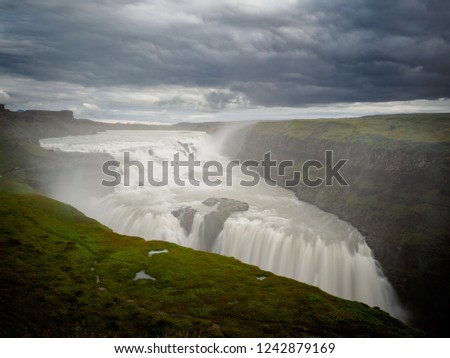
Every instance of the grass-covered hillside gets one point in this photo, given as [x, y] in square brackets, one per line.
[63, 274]
[398, 194]
[411, 128]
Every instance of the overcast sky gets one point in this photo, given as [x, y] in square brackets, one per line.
[197, 60]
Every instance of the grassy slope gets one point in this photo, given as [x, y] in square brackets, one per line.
[51, 255]
[13, 155]
[402, 128]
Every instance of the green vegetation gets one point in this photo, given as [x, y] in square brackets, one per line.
[423, 128]
[65, 275]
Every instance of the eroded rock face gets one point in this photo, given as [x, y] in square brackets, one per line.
[186, 217]
[213, 221]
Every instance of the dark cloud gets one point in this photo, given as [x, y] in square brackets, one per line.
[290, 54]
[219, 100]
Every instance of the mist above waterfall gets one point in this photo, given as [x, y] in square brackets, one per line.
[278, 232]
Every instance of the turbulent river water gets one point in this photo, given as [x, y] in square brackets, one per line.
[278, 233]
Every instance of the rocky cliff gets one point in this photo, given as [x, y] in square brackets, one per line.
[397, 196]
[32, 125]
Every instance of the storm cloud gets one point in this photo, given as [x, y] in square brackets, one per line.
[213, 56]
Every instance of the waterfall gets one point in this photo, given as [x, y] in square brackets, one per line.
[278, 233]
[343, 268]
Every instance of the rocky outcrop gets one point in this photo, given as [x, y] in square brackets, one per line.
[226, 205]
[186, 217]
[213, 221]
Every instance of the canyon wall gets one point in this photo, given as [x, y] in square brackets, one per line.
[397, 194]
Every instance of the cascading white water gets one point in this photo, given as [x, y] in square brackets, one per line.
[278, 233]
